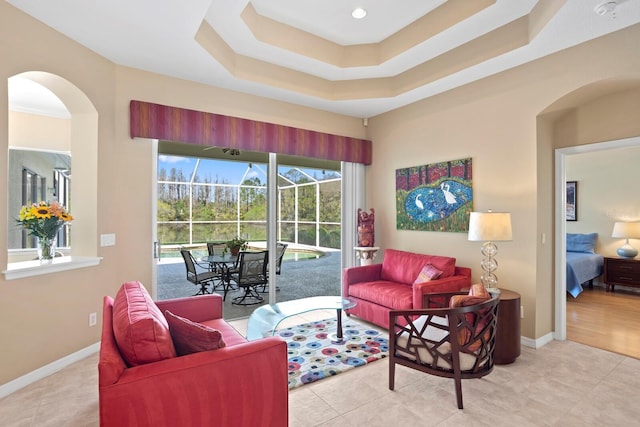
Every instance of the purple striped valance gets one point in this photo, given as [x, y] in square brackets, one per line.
[196, 127]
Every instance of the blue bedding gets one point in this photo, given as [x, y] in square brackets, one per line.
[582, 267]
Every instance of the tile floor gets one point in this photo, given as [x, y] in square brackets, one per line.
[560, 384]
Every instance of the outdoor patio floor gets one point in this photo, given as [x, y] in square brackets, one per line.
[298, 279]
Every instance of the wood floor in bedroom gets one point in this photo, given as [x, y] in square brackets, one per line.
[606, 320]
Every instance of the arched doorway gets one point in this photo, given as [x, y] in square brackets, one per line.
[598, 116]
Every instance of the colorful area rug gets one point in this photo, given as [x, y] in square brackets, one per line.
[313, 355]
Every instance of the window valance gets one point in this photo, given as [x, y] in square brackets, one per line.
[157, 121]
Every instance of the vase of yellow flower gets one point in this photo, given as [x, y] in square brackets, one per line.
[43, 221]
[46, 248]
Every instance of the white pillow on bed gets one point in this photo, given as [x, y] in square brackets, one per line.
[581, 242]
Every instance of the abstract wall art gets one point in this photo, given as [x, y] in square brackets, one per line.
[435, 197]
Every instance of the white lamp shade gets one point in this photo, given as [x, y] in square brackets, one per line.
[626, 230]
[490, 226]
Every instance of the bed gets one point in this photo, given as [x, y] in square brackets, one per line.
[583, 264]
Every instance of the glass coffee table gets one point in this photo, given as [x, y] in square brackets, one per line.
[264, 320]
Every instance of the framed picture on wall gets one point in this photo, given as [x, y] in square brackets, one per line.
[572, 200]
[435, 196]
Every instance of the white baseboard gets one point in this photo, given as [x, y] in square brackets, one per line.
[43, 372]
[537, 343]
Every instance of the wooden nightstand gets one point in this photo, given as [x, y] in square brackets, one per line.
[621, 271]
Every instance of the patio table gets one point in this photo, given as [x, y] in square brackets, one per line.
[222, 264]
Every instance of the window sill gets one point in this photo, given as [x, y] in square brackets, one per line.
[19, 270]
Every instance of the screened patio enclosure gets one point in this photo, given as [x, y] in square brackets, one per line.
[214, 200]
[203, 199]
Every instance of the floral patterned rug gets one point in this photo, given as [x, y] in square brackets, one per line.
[314, 355]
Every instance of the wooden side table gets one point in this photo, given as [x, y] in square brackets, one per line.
[621, 271]
[508, 329]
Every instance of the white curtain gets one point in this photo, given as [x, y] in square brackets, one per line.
[353, 197]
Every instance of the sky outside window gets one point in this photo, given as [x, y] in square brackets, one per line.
[224, 170]
[231, 172]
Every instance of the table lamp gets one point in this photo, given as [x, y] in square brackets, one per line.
[489, 227]
[626, 230]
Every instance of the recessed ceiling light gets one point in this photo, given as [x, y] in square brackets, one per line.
[359, 13]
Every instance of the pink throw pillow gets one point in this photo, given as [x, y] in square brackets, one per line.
[191, 337]
[428, 272]
[140, 329]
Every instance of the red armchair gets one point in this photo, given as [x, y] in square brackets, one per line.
[241, 384]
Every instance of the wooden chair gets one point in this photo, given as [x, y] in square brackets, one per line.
[456, 343]
[251, 274]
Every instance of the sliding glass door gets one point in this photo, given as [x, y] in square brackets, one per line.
[207, 195]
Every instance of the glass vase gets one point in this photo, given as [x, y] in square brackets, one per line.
[46, 248]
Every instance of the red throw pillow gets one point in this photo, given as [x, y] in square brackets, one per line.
[140, 329]
[191, 337]
[477, 295]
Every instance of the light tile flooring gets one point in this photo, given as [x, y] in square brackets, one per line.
[560, 384]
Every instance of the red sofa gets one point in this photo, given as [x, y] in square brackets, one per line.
[241, 384]
[394, 284]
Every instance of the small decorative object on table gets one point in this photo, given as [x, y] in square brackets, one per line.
[365, 228]
[43, 221]
[236, 245]
[365, 250]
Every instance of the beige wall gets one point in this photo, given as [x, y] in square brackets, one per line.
[499, 123]
[604, 118]
[46, 317]
[45, 133]
[493, 121]
[606, 182]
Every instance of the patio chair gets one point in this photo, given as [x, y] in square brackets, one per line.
[280, 250]
[251, 274]
[456, 341]
[215, 248]
[199, 278]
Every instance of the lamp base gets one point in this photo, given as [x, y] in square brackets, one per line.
[627, 251]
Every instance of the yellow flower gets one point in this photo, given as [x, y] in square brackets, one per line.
[25, 213]
[41, 212]
[43, 220]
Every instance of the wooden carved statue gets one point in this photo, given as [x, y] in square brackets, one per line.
[365, 228]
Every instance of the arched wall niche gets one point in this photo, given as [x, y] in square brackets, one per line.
[83, 145]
